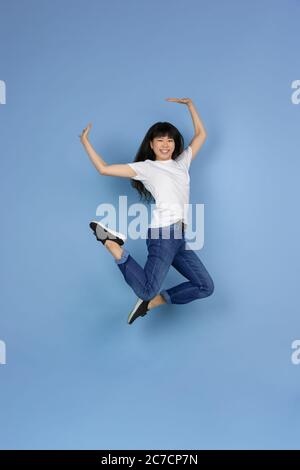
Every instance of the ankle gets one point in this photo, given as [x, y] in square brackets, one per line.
[114, 248]
[156, 301]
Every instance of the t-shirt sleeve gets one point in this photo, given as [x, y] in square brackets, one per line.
[141, 169]
[185, 158]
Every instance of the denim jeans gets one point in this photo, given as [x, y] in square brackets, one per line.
[167, 247]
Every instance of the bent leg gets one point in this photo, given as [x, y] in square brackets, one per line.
[200, 283]
[147, 281]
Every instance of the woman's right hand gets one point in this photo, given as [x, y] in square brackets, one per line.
[85, 133]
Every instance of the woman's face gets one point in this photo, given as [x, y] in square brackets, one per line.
[163, 147]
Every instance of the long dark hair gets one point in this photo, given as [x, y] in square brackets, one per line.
[159, 129]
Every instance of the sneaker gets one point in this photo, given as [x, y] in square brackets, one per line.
[103, 233]
[139, 310]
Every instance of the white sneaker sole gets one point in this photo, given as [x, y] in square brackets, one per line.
[138, 303]
[135, 308]
[109, 230]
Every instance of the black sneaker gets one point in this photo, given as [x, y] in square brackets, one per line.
[139, 310]
[103, 233]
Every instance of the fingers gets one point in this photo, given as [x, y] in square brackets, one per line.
[85, 130]
[176, 100]
[179, 100]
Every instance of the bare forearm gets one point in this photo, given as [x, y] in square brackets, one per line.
[97, 161]
[198, 124]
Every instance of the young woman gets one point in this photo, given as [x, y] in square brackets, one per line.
[161, 172]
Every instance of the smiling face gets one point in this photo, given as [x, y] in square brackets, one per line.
[163, 147]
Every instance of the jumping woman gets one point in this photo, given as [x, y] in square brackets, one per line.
[160, 172]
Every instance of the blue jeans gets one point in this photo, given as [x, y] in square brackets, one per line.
[166, 249]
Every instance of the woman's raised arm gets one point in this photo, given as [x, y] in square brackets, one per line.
[103, 168]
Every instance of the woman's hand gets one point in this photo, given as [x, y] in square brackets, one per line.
[85, 133]
[187, 101]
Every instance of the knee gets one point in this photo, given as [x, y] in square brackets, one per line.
[209, 287]
[206, 288]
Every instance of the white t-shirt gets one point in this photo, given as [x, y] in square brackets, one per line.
[169, 183]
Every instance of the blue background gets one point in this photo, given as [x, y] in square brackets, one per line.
[215, 373]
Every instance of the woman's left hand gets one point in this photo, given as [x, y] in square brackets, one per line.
[187, 101]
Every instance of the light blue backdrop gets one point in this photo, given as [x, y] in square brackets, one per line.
[216, 373]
